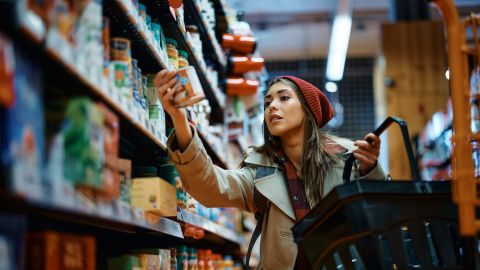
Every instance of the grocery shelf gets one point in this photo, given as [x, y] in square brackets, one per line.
[213, 48]
[124, 24]
[160, 9]
[216, 157]
[210, 226]
[164, 227]
[221, 18]
[66, 76]
[119, 106]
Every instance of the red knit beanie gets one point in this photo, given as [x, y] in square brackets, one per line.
[317, 101]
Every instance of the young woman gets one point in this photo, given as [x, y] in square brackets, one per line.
[295, 168]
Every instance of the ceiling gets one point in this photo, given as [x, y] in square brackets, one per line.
[289, 29]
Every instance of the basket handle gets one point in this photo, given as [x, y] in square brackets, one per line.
[347, 171]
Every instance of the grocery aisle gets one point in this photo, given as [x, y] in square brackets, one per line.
[86, 180]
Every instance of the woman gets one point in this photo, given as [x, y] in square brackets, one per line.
[295, 168]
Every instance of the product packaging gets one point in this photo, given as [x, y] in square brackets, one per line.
[52, 250]
[188, 78]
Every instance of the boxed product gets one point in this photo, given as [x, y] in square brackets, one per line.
[22, 124]
[154, 258]
[153, 194]
[111, 138]
[188, 78]
[60, 251]
[84, 144]
[126, 262]
[12, 234]
[125, 171]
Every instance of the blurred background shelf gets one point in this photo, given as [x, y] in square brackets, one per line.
[210, 226]
[164, 229]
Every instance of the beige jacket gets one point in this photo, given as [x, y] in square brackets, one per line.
[215, 187]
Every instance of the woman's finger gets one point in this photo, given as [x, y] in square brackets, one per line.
[164, 79]
[365, 162]
[367, 154]
[367, 147]
[162, 89]
[374, 138]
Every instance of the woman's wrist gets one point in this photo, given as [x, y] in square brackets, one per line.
[183, 132]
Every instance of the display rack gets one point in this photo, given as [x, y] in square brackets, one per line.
[136, 133]
[80, 84]
[213, 47]
[464, 184]
[163, 227]
[210, 226]
[160, 9]
[142, 46]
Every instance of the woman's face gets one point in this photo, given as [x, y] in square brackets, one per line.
[284, 114]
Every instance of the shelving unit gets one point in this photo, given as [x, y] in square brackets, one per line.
[142, 46]
[138, 137]
[163, 228]
[213, 47]
[209, 226]
[160, 9]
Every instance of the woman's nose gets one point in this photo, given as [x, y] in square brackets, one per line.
[273, 105]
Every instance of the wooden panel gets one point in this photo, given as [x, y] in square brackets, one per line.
[416, 110]
[416, 63]
[415, 56]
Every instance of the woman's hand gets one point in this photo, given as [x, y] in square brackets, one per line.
[165, 81]
[367, 153]
[169, 93]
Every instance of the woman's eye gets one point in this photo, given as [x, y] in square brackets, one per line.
[284, 98]
[266, 104]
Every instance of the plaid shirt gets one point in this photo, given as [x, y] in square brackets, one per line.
[295, 186]
[298, 199]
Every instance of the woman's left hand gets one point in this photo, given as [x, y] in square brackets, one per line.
[367, 153]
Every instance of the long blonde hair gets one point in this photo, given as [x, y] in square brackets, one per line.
[316, 160]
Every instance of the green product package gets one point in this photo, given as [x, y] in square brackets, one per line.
[168, 173]
[83, 145]
[126, 262]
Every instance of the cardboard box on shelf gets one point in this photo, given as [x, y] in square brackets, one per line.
[22, 125]
[155, 195]
[60, 251]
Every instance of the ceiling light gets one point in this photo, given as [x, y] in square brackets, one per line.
[331, 87]
[337, 50]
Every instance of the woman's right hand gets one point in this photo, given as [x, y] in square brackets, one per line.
[165, 81]
[168, 92]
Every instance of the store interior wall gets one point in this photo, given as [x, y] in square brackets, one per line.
[293, 36]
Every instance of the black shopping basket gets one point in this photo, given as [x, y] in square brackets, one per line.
[383, 224]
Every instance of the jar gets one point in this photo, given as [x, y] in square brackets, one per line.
[173, 259]
[182, 59]
[120, 49]
[172, 52]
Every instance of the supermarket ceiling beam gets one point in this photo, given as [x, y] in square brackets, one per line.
[264, 20]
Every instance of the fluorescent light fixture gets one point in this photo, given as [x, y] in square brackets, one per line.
[337, 51]
[331, 87]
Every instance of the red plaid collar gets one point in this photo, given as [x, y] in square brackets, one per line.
[295, 186]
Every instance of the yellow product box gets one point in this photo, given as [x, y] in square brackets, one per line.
[153, 194]
[149, 261]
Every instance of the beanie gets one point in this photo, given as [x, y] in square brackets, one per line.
[316, 100]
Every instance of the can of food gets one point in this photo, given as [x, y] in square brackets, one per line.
[121, 77]
[120, 49]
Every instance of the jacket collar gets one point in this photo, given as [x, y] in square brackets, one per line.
[256, 158]
[272, 186]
